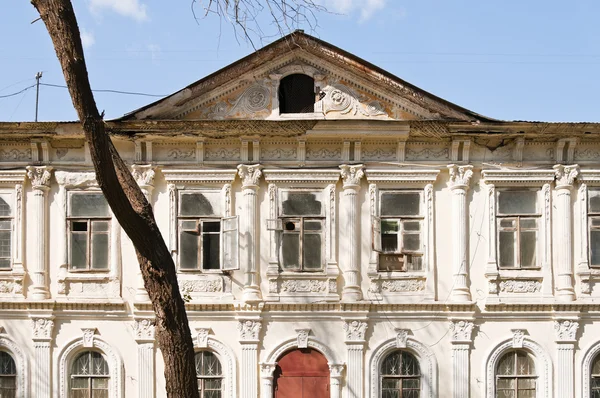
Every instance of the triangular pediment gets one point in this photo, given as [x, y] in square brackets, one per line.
[347, 88]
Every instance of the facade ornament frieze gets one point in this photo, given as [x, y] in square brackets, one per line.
[352, 174]
[518, 337]
[355, 330]
[40, 176]
[461, 331]
[460, 176]
[565, 175]
[302, 337]
[249, 329]
[42, 328]
[566, 330]
[144, 329]
[250, 174]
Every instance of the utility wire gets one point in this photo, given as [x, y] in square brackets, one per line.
[18, 92]
[109, 91]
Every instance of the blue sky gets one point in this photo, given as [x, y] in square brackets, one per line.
[512, 59]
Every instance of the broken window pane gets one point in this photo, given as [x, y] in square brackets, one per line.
[188, 252]
[517, 202]
[301, 204]
[312, 252]
[506, 248]
[290, 247]
[199, 204]
[528, 248]
[389, 243]
[89, 205]
[400, 204]
[594, 200]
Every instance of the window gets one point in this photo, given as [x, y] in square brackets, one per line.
[515, 376]
[400, 376]
[89, 230]
[209, 375]
[595, 379]
[5, 232]
[297, 94]
[302, 227]
[517, 220]
[398, 231]
[203, 233]
[594, 226]
[89, 376]
[8, 376]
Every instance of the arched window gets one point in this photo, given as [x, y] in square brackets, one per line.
[400, 376]
[90, 376]
[209, 375]
[8, 376]
[516, 376]
[595, 378]
[297, 94]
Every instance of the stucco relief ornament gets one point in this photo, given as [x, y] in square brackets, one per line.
[565, 175]
[352, 174]
[42, 328]
[202, 337]
[88, 337]
[143, 175]
[460, 176]
[39, 176]
[355, 330]
[518, 337]
[267, 369]
[254, 99]
[303, 337]
[401, 337]
[345, 100]
[250, 174]
[144, 329]
[249, 329]
[336, 370]
[461, 330]
[566, 330]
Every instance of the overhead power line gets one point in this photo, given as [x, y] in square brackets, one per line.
[18, 92]
[110, 91]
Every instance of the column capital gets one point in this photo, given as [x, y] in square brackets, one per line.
[355, 330]
[351, 175]
[42, 328]
[144, 175]
[267, 369]
[460, 176]
[566, 330]
[565, 175]
[249, 330]
[250, 175]
[462, 331]
[336, 370]
[144, 329]
[40, 176]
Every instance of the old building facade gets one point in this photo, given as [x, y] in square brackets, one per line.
[338, 232]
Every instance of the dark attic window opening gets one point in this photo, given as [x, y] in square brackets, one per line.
[297, 94]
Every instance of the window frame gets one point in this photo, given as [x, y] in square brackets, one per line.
[11, 219]
[515, 376]
[401, 377]
[90, 220]
[591, 215]
[89, 377]
[220, 377]
[12, 182]
[517, 253]
[14, 376]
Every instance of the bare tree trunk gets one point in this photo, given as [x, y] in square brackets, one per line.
[128, 204]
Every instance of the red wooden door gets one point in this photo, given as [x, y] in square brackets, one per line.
[302, 373]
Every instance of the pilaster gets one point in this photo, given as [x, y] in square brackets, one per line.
[249, 331]
[354, 331]
[566, 332]
[40, 182]
[461, 346]
[266, 377]
[460, 177]
[250, 176]
[144, 176]
[42, 328]
[349, 239]
[565, 178]
[144, 330]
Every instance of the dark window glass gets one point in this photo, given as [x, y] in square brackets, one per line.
[297, 94]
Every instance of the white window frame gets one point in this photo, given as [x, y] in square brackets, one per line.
[11, 182]
[513, 284]
[205, 342]
[302, 286]
[303, 69]
[588, 275]
[9, 346]
[402, 286]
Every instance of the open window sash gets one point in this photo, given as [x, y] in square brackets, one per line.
[230, 247]
[376, 234]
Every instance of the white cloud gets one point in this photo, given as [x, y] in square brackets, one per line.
[366, 8]
[128, 8]
[154, 52]
[87, 39]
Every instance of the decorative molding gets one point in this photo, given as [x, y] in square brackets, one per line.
[144, 329]
[249, 329]
[351, 175]
[401, 337]
[73, 179]
[299, 177]
[517, 177]
[304, 286]
[401, 176]
[461, 331]
[355, 330]
[198, 177]
[250, 174]
[143, 175]
[565, 175]
[590, 356]
[202, 335]
[460, 176]
[344, 100]
[427, 153]
[228, 362]
[11, 155]
[303, 337]
[252, 100]
[23, 383]
[520, 286]
[181, 154]
[40, 176]
[401, 285]
[518, 337]
[566, 330]
[42, 328]
[201, 285]
[88, 337]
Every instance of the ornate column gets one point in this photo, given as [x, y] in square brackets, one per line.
[144, 176]
[42, 362]
[566, 331]
[40, 182]
[144, 337]
[349, 232]
[460, 177]
[335, 379]
[461, 345]
[266, 376]
[565, 177]
[250, 175]
[355, 344]
[249, 332]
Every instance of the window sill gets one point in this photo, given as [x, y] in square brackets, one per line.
[202, 271]
[523, 273]
[311, 115]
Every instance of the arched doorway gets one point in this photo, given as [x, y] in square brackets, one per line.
[301, 373]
